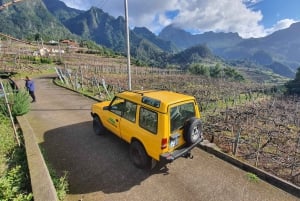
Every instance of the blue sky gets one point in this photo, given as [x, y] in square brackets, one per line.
[248, 18]
[276, 10]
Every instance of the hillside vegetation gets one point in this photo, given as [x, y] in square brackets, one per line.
[28, 19]
[45, 20]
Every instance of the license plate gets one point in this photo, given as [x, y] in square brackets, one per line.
[174, 139]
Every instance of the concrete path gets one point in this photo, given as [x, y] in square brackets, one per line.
[99, 168]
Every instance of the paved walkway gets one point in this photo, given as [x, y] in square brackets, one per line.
[98, 167]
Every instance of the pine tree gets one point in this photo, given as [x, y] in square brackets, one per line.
[293, 86]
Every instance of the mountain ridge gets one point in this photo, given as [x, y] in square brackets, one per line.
[26, 20]
[53, 19]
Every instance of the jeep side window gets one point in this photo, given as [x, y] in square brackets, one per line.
[130, 111]
[117, 106]
[148, 120]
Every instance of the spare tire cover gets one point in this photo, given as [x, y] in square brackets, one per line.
[192, 130]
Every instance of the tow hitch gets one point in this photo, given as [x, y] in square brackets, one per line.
[188, 155]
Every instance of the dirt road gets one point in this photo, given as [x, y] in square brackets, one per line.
[99, 167]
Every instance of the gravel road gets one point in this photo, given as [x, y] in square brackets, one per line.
[99, 168]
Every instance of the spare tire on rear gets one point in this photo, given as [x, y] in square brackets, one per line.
[192, 130]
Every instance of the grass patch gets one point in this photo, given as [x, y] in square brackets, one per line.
[252, 177]
[36, 72]
[7, 140]
[60, 182]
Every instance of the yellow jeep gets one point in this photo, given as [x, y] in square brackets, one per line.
[159, 125]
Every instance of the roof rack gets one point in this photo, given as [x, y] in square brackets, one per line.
[142, 92]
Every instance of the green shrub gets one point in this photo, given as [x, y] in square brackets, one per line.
[215, 71]
[14, 176]
[18, 101]
[11, 185]
[199, 69]
[293, 86]
[38, 59]
[231, 73]
[45, 60]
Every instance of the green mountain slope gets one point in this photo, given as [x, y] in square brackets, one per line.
[106, 30]
[162, 44]
[278, 51]
[184, 39]
[191, 55]
[100, 27]
[283, 45]
[53, 20]
[60, 10]
[29, 18]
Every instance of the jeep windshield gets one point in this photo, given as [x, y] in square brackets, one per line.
[179, 114]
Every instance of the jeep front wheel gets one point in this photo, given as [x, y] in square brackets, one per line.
[192, 131]
[138, 155]
[98, 126]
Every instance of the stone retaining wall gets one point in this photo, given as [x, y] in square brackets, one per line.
[41, 182]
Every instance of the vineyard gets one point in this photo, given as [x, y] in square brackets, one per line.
[253, 121]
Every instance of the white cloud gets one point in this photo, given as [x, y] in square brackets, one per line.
[199, 15]
[78, 4]
[251, 2]
[282, 24]
[220, 15]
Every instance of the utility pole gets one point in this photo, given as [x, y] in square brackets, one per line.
[127, 44]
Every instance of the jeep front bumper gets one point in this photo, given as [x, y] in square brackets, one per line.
[183, 152]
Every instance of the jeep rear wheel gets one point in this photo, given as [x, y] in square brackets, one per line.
[98, 126]
[138, 155]
[192, 131]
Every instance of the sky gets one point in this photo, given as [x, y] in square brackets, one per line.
[248, 18]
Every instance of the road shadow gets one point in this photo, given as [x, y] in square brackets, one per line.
[93, 163]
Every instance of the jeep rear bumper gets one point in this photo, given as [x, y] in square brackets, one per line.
[183, 152]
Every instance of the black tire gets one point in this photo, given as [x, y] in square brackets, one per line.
[98, 127]
[192, 131]
[138, 155]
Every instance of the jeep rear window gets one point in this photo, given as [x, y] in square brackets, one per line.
[150, 101]
[179, 114]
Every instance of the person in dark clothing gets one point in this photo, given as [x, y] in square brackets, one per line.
[29, 84]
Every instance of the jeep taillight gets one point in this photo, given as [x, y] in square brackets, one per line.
[164, 143]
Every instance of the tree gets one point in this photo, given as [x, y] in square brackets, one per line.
[199, 69]
[37, 37]
[233, 74]
[215, 71]
[293, 86]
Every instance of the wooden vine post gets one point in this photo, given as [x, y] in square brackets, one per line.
[236, 141]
